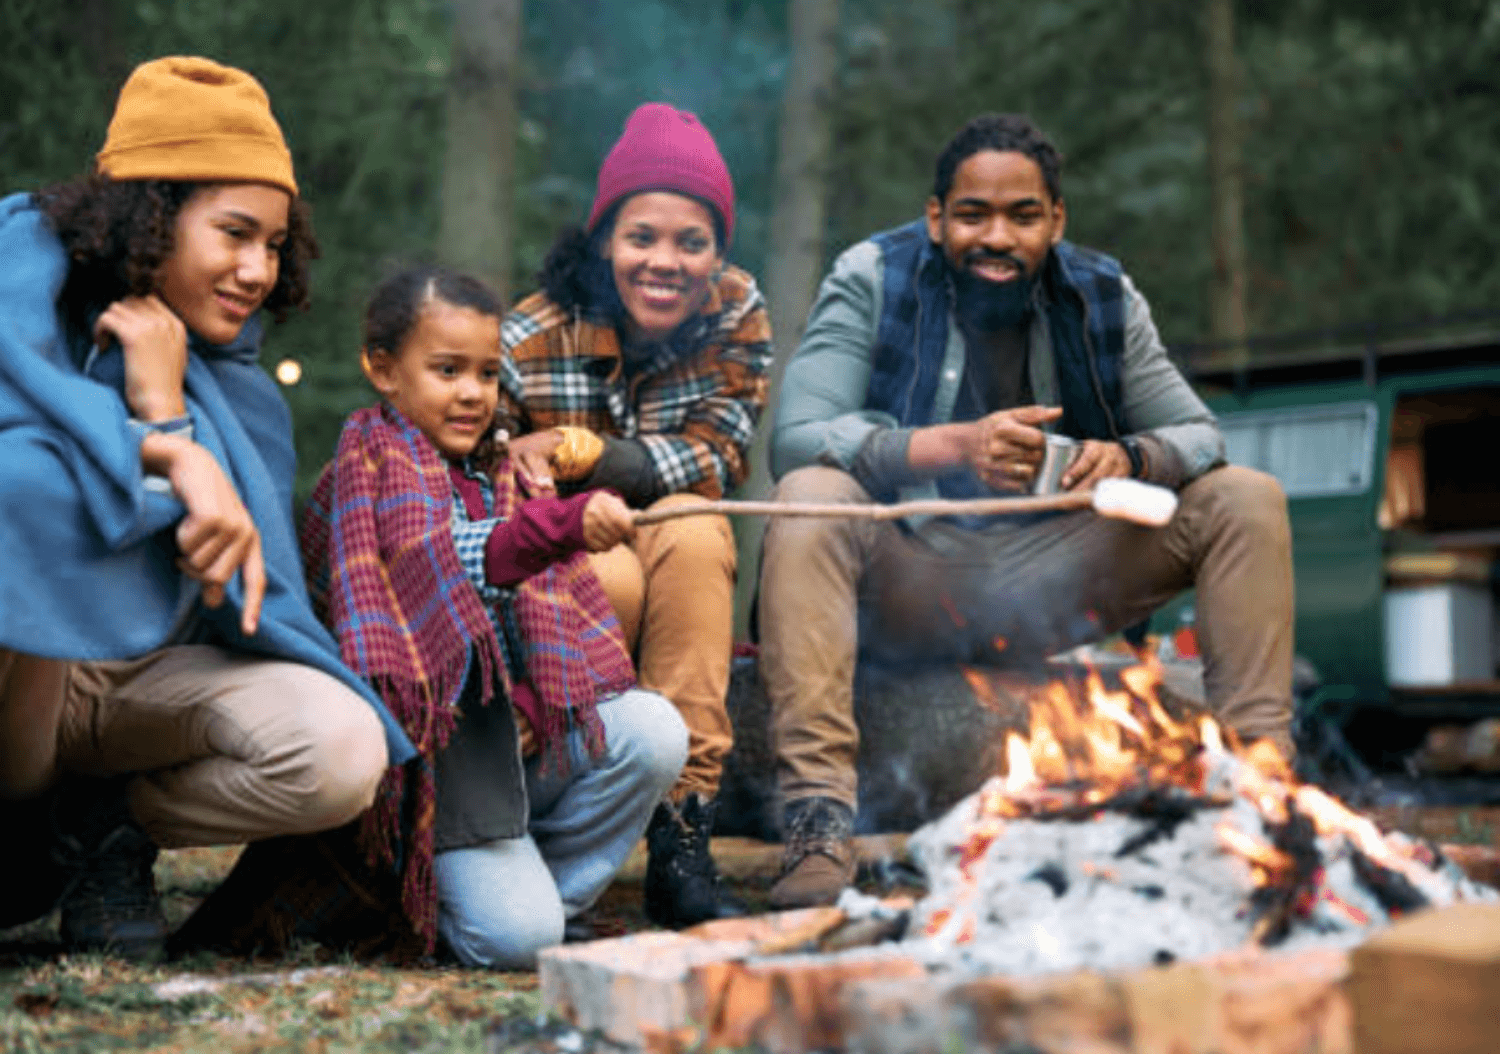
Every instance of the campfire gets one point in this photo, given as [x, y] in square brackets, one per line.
[1120, 835]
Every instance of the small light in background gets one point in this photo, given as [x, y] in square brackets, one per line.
[289, 371]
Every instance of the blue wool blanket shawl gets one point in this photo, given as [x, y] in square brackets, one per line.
[87, 556]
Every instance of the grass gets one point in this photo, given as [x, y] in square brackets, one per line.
[306, 1001]
[309, 1000]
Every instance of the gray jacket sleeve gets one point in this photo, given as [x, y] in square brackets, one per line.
[820, 418]
[1179, 431]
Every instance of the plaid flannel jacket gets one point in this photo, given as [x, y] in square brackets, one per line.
[693, 405]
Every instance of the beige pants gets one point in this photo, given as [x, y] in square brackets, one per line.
[673, 591]
[229, 748]
[832, 589]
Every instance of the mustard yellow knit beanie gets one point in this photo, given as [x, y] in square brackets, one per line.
[191, 119]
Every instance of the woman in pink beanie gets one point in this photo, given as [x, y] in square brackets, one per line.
[641, 365]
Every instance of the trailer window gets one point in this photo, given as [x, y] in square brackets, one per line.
[1312, 451]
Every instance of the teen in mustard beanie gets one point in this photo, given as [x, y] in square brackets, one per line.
[194, 120]
[147, 465]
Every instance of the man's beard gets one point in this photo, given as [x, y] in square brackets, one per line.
[985, 306]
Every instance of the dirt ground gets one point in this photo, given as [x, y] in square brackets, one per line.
[310, 1000]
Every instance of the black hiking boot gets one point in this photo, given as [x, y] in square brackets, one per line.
[683, 887]
[33, 889]
[110, 904]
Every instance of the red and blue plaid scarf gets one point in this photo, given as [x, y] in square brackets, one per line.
[384, 574]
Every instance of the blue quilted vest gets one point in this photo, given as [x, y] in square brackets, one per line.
[1086, 315]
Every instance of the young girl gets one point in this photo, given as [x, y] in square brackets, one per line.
[474, 613]
[158, 654]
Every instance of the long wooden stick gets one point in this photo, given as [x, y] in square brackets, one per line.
[1068, 500]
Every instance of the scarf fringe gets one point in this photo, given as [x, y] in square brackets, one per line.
[427, 710]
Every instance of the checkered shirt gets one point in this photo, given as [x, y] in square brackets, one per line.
[470, 539]
[693, 404]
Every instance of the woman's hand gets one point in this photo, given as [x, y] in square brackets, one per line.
[607, 521]
[217, 537]
[154, 342]
[532, 455]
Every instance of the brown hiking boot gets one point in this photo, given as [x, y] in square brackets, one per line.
[819, 858]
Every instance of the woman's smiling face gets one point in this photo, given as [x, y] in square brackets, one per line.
[226, 255]
[663, 253]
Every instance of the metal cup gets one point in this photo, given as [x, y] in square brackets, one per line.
[1059, 454]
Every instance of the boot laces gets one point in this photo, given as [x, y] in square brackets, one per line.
[819, 827]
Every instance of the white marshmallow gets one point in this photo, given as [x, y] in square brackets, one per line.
[1130, 499]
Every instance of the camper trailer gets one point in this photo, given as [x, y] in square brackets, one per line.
[1388, 447]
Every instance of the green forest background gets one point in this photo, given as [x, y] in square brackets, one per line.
[1366, 134]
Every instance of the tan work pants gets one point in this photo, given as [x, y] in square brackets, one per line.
[832, 589]
[229, 748]
[673, 591]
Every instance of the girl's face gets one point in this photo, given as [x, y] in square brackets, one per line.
[446, 378]
[663, 253]
[225, 258]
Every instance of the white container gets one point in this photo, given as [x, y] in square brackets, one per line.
[1439, 634]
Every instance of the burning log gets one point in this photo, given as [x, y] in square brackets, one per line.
[1394, 890]
[1209, 845]
[1292, 892]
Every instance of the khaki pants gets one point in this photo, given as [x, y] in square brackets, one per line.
[229, 748]
[673, 591]
[832, 589]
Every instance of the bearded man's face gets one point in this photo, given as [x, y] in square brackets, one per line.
[998, 221]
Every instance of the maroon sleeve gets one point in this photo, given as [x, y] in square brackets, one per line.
[542, 532]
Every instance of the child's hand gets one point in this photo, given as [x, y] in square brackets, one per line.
[607, 521]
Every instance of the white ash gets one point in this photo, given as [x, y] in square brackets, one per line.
[1051, 895]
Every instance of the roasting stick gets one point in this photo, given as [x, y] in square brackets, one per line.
[1120, 499]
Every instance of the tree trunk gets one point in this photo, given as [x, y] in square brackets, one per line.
[1226, 299]
[98, 32]
[476, 228]
[796, 259]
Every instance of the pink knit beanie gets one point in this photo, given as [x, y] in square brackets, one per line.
[664, 148]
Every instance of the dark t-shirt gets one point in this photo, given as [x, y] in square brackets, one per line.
[995, 378]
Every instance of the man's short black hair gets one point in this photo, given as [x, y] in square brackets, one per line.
[1003, 132]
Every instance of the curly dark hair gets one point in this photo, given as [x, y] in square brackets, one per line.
[118, 233]
[1003, 132]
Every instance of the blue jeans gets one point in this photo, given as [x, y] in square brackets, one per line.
[502, 902]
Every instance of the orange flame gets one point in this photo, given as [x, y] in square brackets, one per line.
[1094, 744]
[1088, 743]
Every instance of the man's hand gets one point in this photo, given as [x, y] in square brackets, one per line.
[1096, 459]
[607, 521]
[217, 537]
[532, 455]
[154, 342]
[1010, 445]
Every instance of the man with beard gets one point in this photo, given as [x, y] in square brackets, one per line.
[936, 358]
